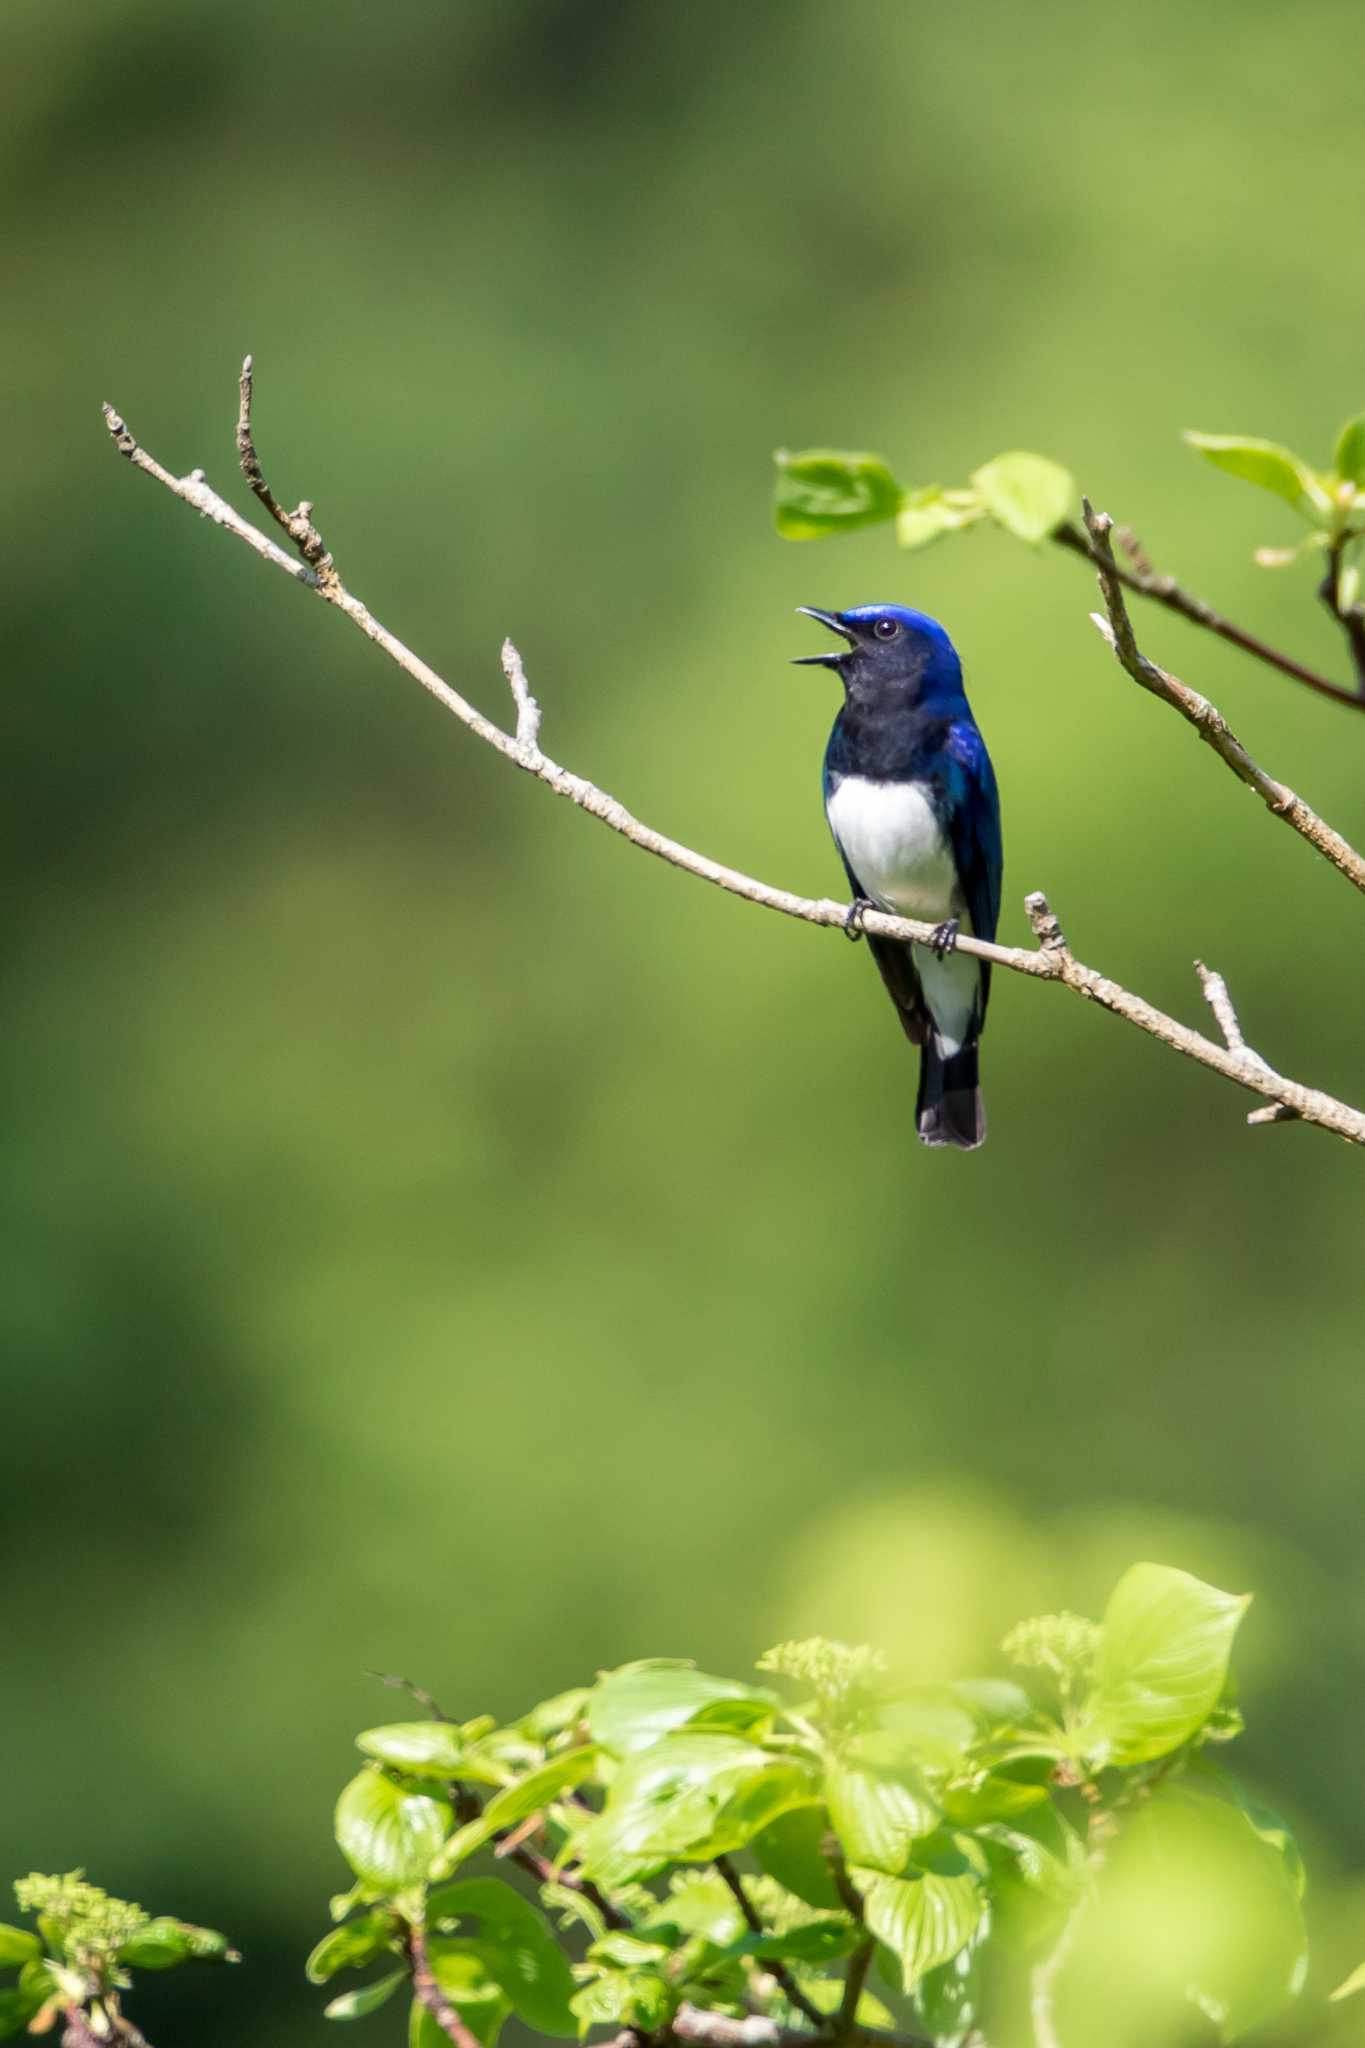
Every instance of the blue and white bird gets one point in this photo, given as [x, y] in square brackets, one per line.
[911, 800]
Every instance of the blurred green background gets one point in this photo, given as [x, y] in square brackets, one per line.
[442, 1240]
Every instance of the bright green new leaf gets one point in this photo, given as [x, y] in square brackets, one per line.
[688, 1798]
[516, 1803]
[17, 1945]
[428, 1749]
[553, 1716]
[1349, 459]
[389, 1831]
[791, 1849]
[1268, 465]
[634, 1706]
[516, 1948]
[927, 514]
[1349, 1987]
[1026, 493]
[1163, 1661]
[823, 490]
[698, 1904]
[924, 1920]
[353, 2005]
[878, 1811]
[161, 1944]
[624, 1998]
[350, 1947]
[992, 1799]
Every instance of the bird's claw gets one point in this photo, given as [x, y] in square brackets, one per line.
[943, 937]
[853, 923]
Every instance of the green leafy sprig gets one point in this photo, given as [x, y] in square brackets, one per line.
[849, 1855]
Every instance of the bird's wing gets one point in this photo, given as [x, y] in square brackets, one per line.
[974, 831]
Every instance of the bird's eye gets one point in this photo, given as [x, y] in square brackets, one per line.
[886, 629]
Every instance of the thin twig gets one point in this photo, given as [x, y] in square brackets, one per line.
[1220, 1002]
[1166, 591]
[419, 1693]
[1350, 617]
[719, 2030]
[1051, 961]
[1206, 719]
[428, 1992]
[859, 1963]
[774, 1967]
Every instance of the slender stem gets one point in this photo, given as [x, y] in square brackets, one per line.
[1166, 591]
[1207, 720]
[775, 1968]
[429, 1993]
[859, 1963]
[1350, 617]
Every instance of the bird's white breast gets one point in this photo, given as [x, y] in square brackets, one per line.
[891, 839]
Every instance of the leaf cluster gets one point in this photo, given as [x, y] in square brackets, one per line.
[843, 1848]
[822, 491]
[83, 1953]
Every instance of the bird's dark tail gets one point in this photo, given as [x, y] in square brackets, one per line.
[949, 1110]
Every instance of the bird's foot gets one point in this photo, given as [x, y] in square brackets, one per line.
[853, 923]
[943, 937]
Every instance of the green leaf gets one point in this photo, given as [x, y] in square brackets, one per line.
[878, 1810]
[1026, 493]
[1350, 1985]
[625, 1998]
[1349, 459]
[699, 1905]
[824, 490]
[1163, 1662]
[17, 1945]
[553, 1716]
[428, 1749]
[350, 1947]
[161, 1944]
[929, 513]
[634, 1706]
[353, 2005]
[389, 1831]
[790, 1849]
[689, 1797]
[826, 1994]
[17, 2008]
[1267, 465]
[537, 1790]
[813, 1941]
[992, 1799]
[517, 1949]
[924, 1920]
[1190, 1907]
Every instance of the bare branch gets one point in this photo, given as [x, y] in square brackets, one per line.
[1220, 1002]
[528, 711]
[1052, 960]
[1164, 590]
[1206, 719]
[297, 524]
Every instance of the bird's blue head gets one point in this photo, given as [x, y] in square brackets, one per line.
[892, 652]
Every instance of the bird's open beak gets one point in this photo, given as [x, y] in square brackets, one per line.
[831, 620]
